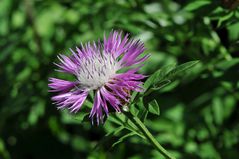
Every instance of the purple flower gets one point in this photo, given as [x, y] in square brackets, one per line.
[98, 67]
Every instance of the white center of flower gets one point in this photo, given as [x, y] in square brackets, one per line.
[96, 70]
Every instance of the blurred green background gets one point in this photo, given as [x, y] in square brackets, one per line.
[199, 111]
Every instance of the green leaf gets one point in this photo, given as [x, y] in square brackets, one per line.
[196, 5]
[218, 111]
[117, 118]
[36, 112]
[161, 84]
[227, 64]
[108, 137]
[134, 110]
[233, 31]
[81, 117]
[157, 76]
[3, 151]
[158, 86]
[122, 120]
[153, 107]
[123, 138]
[143, 115]
[180, 69]
[166, 75]
[224, 18]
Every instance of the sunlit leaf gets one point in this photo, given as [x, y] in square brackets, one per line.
[196, 5]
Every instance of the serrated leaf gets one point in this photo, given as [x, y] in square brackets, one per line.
[153, 107]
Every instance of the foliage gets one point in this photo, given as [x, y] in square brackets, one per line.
[191, 108]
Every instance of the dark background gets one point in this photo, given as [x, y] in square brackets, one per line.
[199, 111]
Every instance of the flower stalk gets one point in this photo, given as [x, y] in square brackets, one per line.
[140, 125]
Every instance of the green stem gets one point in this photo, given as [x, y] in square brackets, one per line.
[148, 135]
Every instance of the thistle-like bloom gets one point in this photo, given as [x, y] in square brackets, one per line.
[98, 67]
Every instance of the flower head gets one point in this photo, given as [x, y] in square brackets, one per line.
[97, 67]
